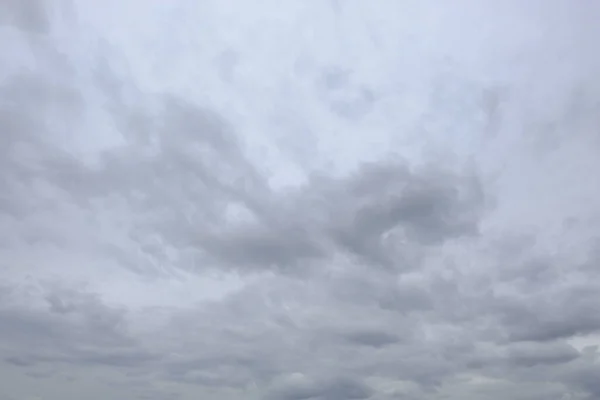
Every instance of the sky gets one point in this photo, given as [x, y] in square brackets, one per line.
[299, 200]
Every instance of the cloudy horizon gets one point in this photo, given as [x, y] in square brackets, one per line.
[294, 200]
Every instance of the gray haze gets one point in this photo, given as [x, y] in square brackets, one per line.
[299, 200]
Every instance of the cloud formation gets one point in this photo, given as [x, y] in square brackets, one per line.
[322, 200]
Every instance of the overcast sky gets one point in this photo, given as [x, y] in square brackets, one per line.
[299, 199]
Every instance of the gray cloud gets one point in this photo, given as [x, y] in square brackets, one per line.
[532, 354]
[72, 327]
[372, 338]
[391, 279]
[361, 215]
[29, 16]
[389, 312]
[337, 388]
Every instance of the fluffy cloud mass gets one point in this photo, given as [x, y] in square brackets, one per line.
[299, 200]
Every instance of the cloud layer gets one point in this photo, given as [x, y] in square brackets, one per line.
[299, 200]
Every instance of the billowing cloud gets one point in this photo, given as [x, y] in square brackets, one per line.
[309, 200]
